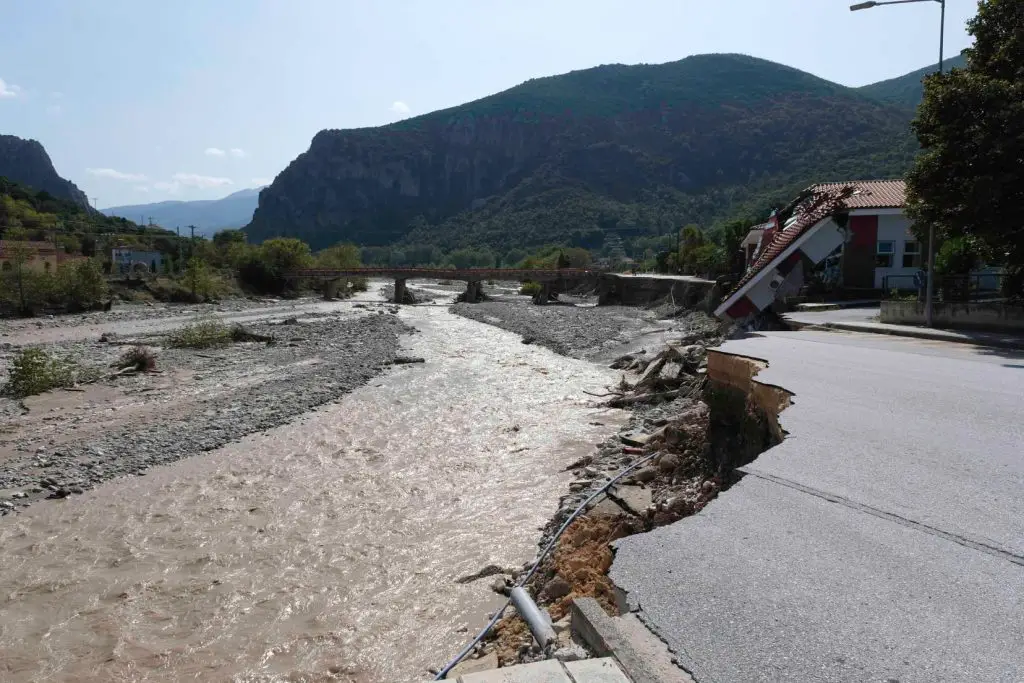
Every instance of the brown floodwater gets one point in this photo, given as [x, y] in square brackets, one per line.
[324, 550]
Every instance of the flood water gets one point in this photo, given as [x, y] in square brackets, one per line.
[324, 550]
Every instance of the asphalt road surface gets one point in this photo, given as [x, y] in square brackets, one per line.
[883, 540]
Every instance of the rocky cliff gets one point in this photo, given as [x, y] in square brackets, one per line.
[566, 158]
[26, 162]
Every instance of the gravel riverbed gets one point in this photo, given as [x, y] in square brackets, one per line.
[64, 442]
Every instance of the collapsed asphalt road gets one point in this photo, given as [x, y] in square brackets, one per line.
[883, 540]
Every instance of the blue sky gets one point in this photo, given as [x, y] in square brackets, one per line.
[144, 100]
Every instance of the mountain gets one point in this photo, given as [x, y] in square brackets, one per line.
[208, 215]
[26, 162]
[570, 158]
[907, 91]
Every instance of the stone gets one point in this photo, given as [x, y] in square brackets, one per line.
[571, 653]
[668, 462]
[645, 474]
[556, 588]
[633, 498]
[471, 666]
[636, 439]
[499, 586]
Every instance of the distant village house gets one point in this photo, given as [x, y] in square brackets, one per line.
[128, 261]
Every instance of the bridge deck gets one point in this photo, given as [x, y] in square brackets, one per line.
[469, 274]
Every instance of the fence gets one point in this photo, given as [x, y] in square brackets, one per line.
[950, 288]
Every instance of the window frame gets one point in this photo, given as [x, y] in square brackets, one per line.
[915, 261]
[890, 255]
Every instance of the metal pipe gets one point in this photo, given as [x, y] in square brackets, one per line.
[538, 620]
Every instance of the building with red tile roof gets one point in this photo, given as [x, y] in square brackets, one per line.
[862, 221]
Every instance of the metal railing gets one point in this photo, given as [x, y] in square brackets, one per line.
[949, 288]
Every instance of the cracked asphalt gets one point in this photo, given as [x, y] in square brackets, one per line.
[883, 540]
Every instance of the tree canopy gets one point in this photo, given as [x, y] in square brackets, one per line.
[967, 182]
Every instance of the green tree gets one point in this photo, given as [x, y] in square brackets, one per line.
[691, 239]
[81, 284]
[967, 182]
[339, 256]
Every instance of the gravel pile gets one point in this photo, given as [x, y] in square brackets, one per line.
[577, 331]
[232, 392]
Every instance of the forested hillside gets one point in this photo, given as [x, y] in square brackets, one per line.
[632, 150]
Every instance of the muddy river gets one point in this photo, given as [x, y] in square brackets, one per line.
[324, 550]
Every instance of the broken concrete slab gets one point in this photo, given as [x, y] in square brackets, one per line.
[471, 666]
[605, 507]
[634, 499]
[603, 670]
[641, 655]
[549, 671]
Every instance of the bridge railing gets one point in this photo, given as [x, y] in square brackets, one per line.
[517, 274]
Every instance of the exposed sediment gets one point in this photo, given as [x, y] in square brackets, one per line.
[63, 443]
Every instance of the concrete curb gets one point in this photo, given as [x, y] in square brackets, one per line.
[923, 333]
[643, 657]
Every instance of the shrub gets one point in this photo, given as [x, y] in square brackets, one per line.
[530, 288]
[202, 334]
[34, 371]
[138, 357]
[205, 334]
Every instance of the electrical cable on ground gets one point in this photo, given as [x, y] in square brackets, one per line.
[536, 565]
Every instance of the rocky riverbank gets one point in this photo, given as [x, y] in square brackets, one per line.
[571, 330]
[64, 442]
[689, 436]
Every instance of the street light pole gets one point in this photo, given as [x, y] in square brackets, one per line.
[930, 285]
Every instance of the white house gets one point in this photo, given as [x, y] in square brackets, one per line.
[864, 221]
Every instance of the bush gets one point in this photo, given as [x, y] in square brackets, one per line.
[138, 357]
[203, 334]
[530, 288]
[34, 371]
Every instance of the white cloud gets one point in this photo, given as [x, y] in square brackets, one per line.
[56, 94]
[204, 182]
[164, 186]
[213, 152]
[260, 182]
[8, 89]
[115, 175]
[237, 153]
[141, 188]
[53, 110]
[399, 107]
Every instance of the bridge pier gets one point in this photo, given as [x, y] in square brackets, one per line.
[544, 295]
[474, 292]
[400, 291]
[331, 289]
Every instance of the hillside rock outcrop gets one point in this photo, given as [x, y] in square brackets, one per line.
[26, 162]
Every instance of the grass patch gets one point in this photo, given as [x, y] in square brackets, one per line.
[34, 371]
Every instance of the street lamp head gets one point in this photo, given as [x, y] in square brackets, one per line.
[863, 5]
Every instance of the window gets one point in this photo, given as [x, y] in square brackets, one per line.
[883, 257]
[6, 266]
[912, 255]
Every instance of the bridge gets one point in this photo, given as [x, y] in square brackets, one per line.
[552, 281]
